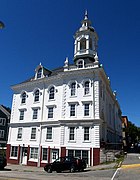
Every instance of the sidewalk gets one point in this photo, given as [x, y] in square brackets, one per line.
[22, 168]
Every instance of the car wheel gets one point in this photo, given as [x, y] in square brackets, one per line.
[49, 169]
[72, 169]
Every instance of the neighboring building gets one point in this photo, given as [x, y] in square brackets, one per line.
[66, 111]
[4, 120]
[125, 132]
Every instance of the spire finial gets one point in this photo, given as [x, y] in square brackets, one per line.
[86, 14]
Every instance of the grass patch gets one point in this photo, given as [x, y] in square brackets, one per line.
[119, 161]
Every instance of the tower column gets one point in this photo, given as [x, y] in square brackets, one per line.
[87, 43]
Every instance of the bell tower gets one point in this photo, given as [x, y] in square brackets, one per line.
[85, 46]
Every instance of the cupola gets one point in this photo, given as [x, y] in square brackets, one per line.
[85, 46]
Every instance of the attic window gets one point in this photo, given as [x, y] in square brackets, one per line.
[80, 64]
[39, 73]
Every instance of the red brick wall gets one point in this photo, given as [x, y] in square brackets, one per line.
[18, 154]
[49, 153]
[8, 152]
[96, 156]
[63, 151]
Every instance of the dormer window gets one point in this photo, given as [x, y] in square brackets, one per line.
[80, 64]
[23, 98]
[39, 73]
[83, 44]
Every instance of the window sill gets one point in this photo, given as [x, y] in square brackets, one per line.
[44, 161]
[51, 100]
[86, 95]
[22, 104]
[33, 160]
[49, 140]
[73, 96]
[19, 139]
[36, 102]
[13, 157]
[32, 139]
[71, 141]
[86, 141]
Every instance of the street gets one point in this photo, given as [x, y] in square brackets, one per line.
[130, 168]
[40, 174]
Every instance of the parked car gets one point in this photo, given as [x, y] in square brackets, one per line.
[3, 162]
[66, 163]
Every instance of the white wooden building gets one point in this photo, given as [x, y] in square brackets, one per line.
[65, 111]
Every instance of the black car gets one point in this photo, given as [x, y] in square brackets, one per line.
[3, 162]
[66, 163]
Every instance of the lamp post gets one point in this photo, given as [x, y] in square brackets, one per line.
[1, 25]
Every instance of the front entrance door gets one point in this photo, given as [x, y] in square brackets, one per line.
[55, 153]
[24, 155]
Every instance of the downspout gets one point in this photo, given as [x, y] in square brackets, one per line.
[40, 128]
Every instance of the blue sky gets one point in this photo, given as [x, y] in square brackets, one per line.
[42, 31]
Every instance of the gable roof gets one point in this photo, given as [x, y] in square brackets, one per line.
[5, 110]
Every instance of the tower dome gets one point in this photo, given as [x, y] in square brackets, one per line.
[86, 38]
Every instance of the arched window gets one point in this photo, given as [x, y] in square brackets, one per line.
[86, 88]
[36, 98]
[83, 44]
[51, 93]
[80, 64]
[23, 98]
[73, 89]
[39, 73]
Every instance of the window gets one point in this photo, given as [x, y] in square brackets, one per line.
[39, 73]
[90, 43]
[35, 113]
[23, 98]
[33, 133]
[50, 112]
[14, 151]
[2, 121]
[86, 109]
[21, 117]
[80, 64]
[86, 133]
[54, 155]
[34, 153]
[71, 153]
[51, 93]
[86, 88]
[71, 135]
[83, 44]
[19, 135]
[72, 110]
[73, 89]
[36, 98]
[78, 153]
[45, 154]
[1, 133]
[49, 133]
